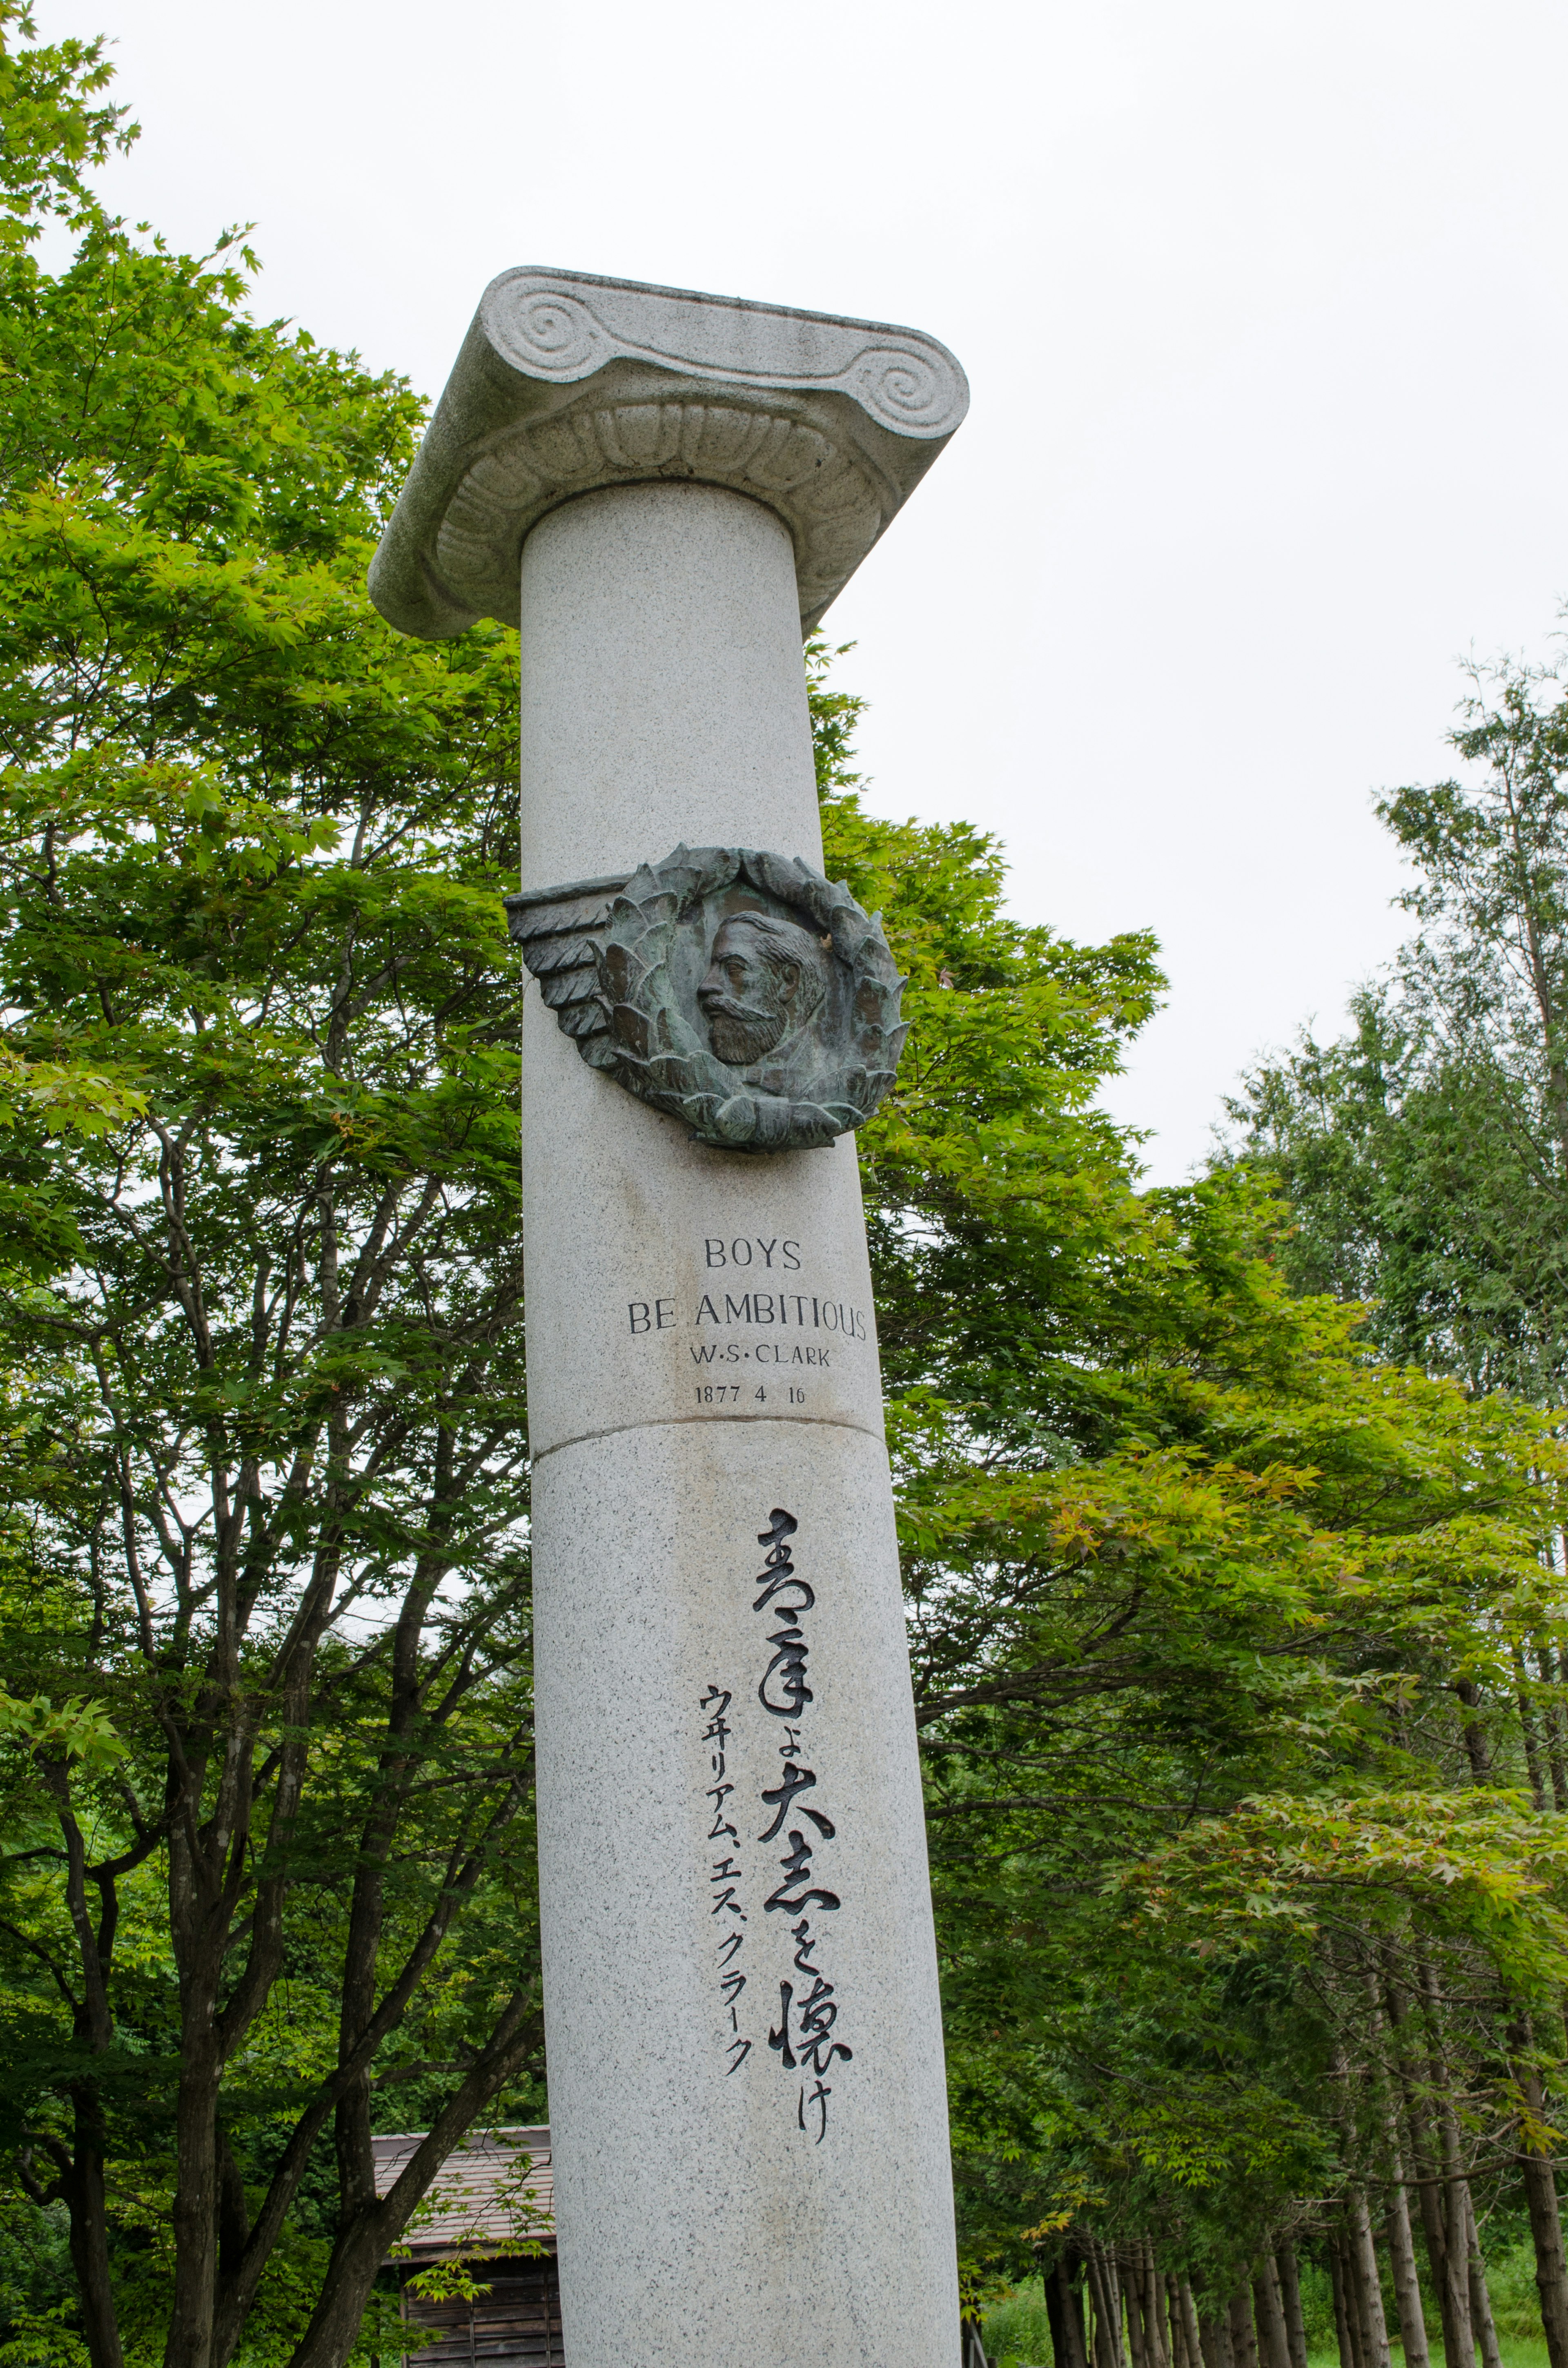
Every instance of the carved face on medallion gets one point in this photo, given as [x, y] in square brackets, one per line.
[736, 990]
[766, 977]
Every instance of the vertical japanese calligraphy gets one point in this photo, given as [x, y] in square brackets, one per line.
[808, 2006]
[724, 1874]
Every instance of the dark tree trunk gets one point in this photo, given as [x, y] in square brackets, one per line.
[81, 2166]
[1406, 2277]
[1453, 2303]
[1541, 2200]
[1155, 2323]
[1355, 2298]
[1529, 1731]
[1551, 1721]
[1114, 2301]
[83, 2188]
[1477, 1744]
[1107, 2306]
[1434, 2175]
[1479, 2299]
[1456, 2224]
[364, 2244]
[194, 2212]
[1071, 2296]
[1244, 2343]
[1551, 2267]
[1214, 2337]
[1401, 2242]
[1094, 2306]
[1137, 2317]
[1546, 2234]
[1345, 2326]
[1061, 2356]
[1290, 2299]
[1174, 2332]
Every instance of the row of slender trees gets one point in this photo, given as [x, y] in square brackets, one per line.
[1400, 2240]
[1423, 1165]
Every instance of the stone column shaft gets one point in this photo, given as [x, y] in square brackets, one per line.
[710, 2201]
[743, 2026]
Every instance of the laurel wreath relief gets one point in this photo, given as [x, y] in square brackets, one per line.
[635, 1014]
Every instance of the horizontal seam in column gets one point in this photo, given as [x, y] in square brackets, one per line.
[708, 1421]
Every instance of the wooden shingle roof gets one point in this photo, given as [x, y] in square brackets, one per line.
[496, 2186]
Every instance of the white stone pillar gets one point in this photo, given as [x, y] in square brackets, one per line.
[745, 2046]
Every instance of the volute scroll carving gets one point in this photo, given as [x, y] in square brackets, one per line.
[569, 383]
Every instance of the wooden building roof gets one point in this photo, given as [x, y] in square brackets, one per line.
[496, 2186]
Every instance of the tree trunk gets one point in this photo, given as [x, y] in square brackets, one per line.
[1366, 2284]
[1191, 2332]
[1529, 1731]
[1244, 2343]
[1541, 2200]
[1138, 2319]
[1401, 2243]
[1174, 2332]
[1453, 2298]
[1551, 1722]
[1358, 2257]
[1269, 2313]
[1113, 2295]
[1290, 2298]
[1344, 2327]
[1551, 2267]
[1071, 2298]
[1094, 2302]
[359, 2250]
[1156, 2335]
[1480, 2300]
[1107, 2306]
[1062, 2355]
[1214, 2340]
[1456, 2223]
[1407, 2278]
[89, 2234]
[193, 2214]
[1456, 2186]
[1477, 1749]
[1431, 2169]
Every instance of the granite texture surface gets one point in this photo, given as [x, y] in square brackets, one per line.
[567, 381]
[720, 2196]
[662, 676]
[739, 2172]
[661, 1270]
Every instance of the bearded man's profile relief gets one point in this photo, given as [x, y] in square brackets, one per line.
[766, 979]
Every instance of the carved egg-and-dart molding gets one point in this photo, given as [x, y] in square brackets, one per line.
[834, 501]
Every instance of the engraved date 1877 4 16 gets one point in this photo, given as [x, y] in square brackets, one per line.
[729, 1393]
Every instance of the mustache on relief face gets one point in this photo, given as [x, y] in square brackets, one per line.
[743, 1014]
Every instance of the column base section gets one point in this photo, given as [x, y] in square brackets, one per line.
[747, 2086]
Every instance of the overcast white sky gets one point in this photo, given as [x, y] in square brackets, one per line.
[1262, 305]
